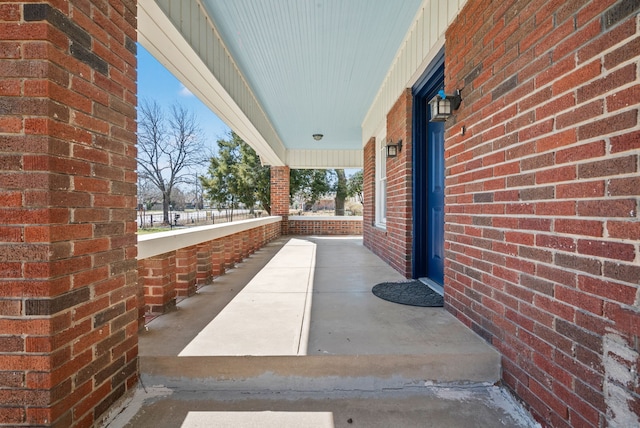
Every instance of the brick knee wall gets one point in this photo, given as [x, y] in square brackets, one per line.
[69, 301]
[337, 226]
[174, 274]
[542, 222]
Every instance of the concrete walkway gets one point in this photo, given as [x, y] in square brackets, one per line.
[294, 337]
[270, 316]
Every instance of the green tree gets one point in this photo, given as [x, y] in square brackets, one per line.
[256, 179]
[309, 185]
[354, 186]
[236, 176]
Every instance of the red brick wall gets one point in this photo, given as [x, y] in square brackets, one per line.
[542, 223]
[68, 299]
[393, 244]
[309, 226]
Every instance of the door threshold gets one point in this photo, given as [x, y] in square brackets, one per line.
[433, 285]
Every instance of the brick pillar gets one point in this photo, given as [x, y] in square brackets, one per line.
[237, 247]
[68, 293]
[229, 261]
[159, 278]
[236, 238]
[246, 243]
[203, 270]
[251, 241]
[186, 267]
[280, 195]
[217, 257]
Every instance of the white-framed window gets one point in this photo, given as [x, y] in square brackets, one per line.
[381, 180]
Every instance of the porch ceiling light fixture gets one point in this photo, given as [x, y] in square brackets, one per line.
[317, 137]
[393, 148]
[443, 105]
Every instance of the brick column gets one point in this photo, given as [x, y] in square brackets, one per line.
[237, 248]
[217, 257]
[68, 293]
[203, 270]
[186, 269]
[244, 244]
[158, 274]
[280, 195]
[251, 243]
[229, 260]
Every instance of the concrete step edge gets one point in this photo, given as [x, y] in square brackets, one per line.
[318, 373]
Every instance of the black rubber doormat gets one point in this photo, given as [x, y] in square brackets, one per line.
[413, 293]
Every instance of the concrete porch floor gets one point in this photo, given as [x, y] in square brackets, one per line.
[294, 337]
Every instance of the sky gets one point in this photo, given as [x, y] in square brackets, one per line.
[156, 83]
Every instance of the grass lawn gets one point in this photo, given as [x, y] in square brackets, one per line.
[148, 230]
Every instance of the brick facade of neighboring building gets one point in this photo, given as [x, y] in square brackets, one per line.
[68, 299]
[542, 226]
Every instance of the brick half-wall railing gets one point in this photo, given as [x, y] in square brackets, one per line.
[172, 264]
[325, 225]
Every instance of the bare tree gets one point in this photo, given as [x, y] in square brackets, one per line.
[148, 194]
[168, 147]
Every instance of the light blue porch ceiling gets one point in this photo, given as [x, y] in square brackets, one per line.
[279, 71]
[314, 65]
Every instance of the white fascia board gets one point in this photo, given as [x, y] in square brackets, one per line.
[324, 159]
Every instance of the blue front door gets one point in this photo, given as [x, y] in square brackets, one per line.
[428, 178]
[435, 202]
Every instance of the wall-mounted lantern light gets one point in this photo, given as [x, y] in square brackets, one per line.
[393, 148]
[317, 137]
[443, 105]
